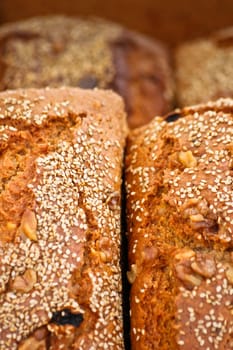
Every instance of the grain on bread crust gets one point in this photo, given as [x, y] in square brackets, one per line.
[61, 158]
[204, 68]
[58, 50]
[179, 179]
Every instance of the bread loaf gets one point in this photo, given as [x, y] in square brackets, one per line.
[179, 179]
[60, 180]
[55, 51]
[204, 68]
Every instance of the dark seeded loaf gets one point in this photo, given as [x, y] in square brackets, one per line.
[204, 69]
[55, 51]
[60, 180]
[179, 180]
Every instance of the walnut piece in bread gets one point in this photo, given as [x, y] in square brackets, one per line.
[61, 160]
[179, 179]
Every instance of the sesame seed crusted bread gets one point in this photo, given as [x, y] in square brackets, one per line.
[61, 159]
[204, 68]
[179, 179]
[56, 51]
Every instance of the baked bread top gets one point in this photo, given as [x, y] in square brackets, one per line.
[60, 158]
[58, 50]
[179, 178]
[189, 162]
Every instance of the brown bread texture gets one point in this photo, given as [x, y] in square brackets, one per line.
[61, 153]
[179, 183]
[204, 69]
[58, 50]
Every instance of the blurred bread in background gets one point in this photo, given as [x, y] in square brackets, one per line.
[59, 50]
[167, 20]
[204, 68]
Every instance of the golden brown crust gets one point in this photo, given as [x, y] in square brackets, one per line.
[61, 155]
[180, 221]
[56, 51]
[204, 68]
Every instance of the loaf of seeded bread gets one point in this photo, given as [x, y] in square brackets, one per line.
[60, 180]
[204, 69]
[179, 180]
[55, 51]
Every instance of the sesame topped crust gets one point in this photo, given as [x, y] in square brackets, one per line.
[180, 222]
[204, 301]
[59, 250]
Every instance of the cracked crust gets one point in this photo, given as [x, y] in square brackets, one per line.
[179, 178]
[60, 281]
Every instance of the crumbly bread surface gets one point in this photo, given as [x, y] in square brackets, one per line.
[204, 69]
[60, 158]
[57, 50]
[179, 179]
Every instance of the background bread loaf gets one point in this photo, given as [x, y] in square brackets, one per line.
[56, 51]
[204, 68]
[169, 21]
